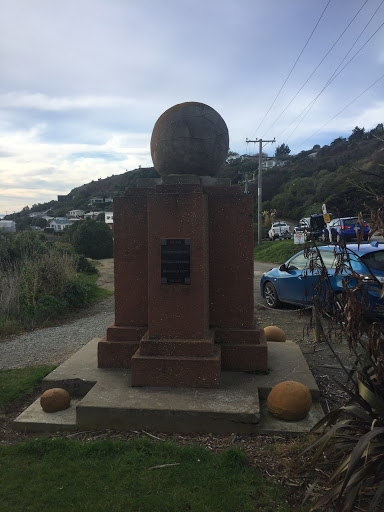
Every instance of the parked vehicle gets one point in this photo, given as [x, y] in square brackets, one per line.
[279, 230]
[295, 281]
[313, 226]
[344, 229]
[299, 229]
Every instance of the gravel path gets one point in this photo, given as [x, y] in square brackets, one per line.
[53, 345]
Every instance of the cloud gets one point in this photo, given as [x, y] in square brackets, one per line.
[43, 102]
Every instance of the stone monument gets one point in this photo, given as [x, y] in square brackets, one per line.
[184, 307]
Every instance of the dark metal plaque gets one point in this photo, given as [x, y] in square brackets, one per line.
[175, 261]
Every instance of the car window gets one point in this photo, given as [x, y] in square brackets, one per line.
[329, 259]
[300, 262]
[374, 260]
[350, 220]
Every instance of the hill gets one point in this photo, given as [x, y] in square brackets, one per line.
[347, 175]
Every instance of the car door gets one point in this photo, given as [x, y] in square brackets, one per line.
[297, 282]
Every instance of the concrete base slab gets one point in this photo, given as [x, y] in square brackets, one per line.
[34, 419]
[105, 399]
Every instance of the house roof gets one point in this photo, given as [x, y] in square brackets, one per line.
[60, 220]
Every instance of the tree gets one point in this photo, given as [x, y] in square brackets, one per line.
[357, 134]
[90, 238]
[40, 222]
[282, 151]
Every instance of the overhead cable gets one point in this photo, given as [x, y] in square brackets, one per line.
[333, 76]
[317, 67]
[342, 110]
[293, 67]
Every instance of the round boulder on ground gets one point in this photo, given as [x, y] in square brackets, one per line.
[273, 333]
[289, 400]
[55, 399]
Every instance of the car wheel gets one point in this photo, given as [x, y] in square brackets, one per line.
[270, 295]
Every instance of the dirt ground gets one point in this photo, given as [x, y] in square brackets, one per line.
[106, 277]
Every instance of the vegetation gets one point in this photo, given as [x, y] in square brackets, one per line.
[350, 450]
[90, 238]
[139, 475]
[41, 282]
[17, 384]
[278, 251]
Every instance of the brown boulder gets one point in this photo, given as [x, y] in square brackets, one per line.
[289, 401]
[55, 399]
[273, 333]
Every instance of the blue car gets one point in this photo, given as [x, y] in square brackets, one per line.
[295, 281]
[344, 229]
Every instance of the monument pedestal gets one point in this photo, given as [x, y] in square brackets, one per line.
[183, 284]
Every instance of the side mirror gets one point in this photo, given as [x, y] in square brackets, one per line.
[283, 268]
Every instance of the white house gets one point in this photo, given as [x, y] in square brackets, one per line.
[59, 224]
[109, 218]
[75, 213]
[8, 225]
[100, 200]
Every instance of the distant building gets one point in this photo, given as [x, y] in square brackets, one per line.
[91, 215]
[109, 219]
[64, 198]
[75, 213]
[59, 224]
[99, 200]
[8, 225]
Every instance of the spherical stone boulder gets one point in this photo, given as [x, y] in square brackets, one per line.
[273, 333]
[289, 400]
[55, 399]
[189, 138]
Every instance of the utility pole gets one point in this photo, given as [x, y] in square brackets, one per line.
[259, 186]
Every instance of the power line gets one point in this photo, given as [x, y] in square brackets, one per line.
[342, 110]
[293, 67]
[317, 67]
[333, 76]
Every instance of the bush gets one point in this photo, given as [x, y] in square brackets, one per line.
[64, 247]
[90, 238]
[86, 266]
[77, 293]
[49, 307]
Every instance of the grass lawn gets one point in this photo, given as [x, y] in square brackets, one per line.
[16, 384]
[56, 474]
[277, 251]
[138, 475]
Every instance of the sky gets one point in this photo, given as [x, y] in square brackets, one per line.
[82, 82]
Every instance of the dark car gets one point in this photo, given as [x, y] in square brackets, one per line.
[345, 228]
[296, 281]
[313, 226]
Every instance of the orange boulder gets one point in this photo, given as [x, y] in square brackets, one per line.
[55, 399]
[289, 401]
[273, 333]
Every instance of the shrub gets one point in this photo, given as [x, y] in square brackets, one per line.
[64, 247]
[77, 293]
[49, 307]
[90, 238]
[86, 266]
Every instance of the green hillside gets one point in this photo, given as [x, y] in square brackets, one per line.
[346, 175]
